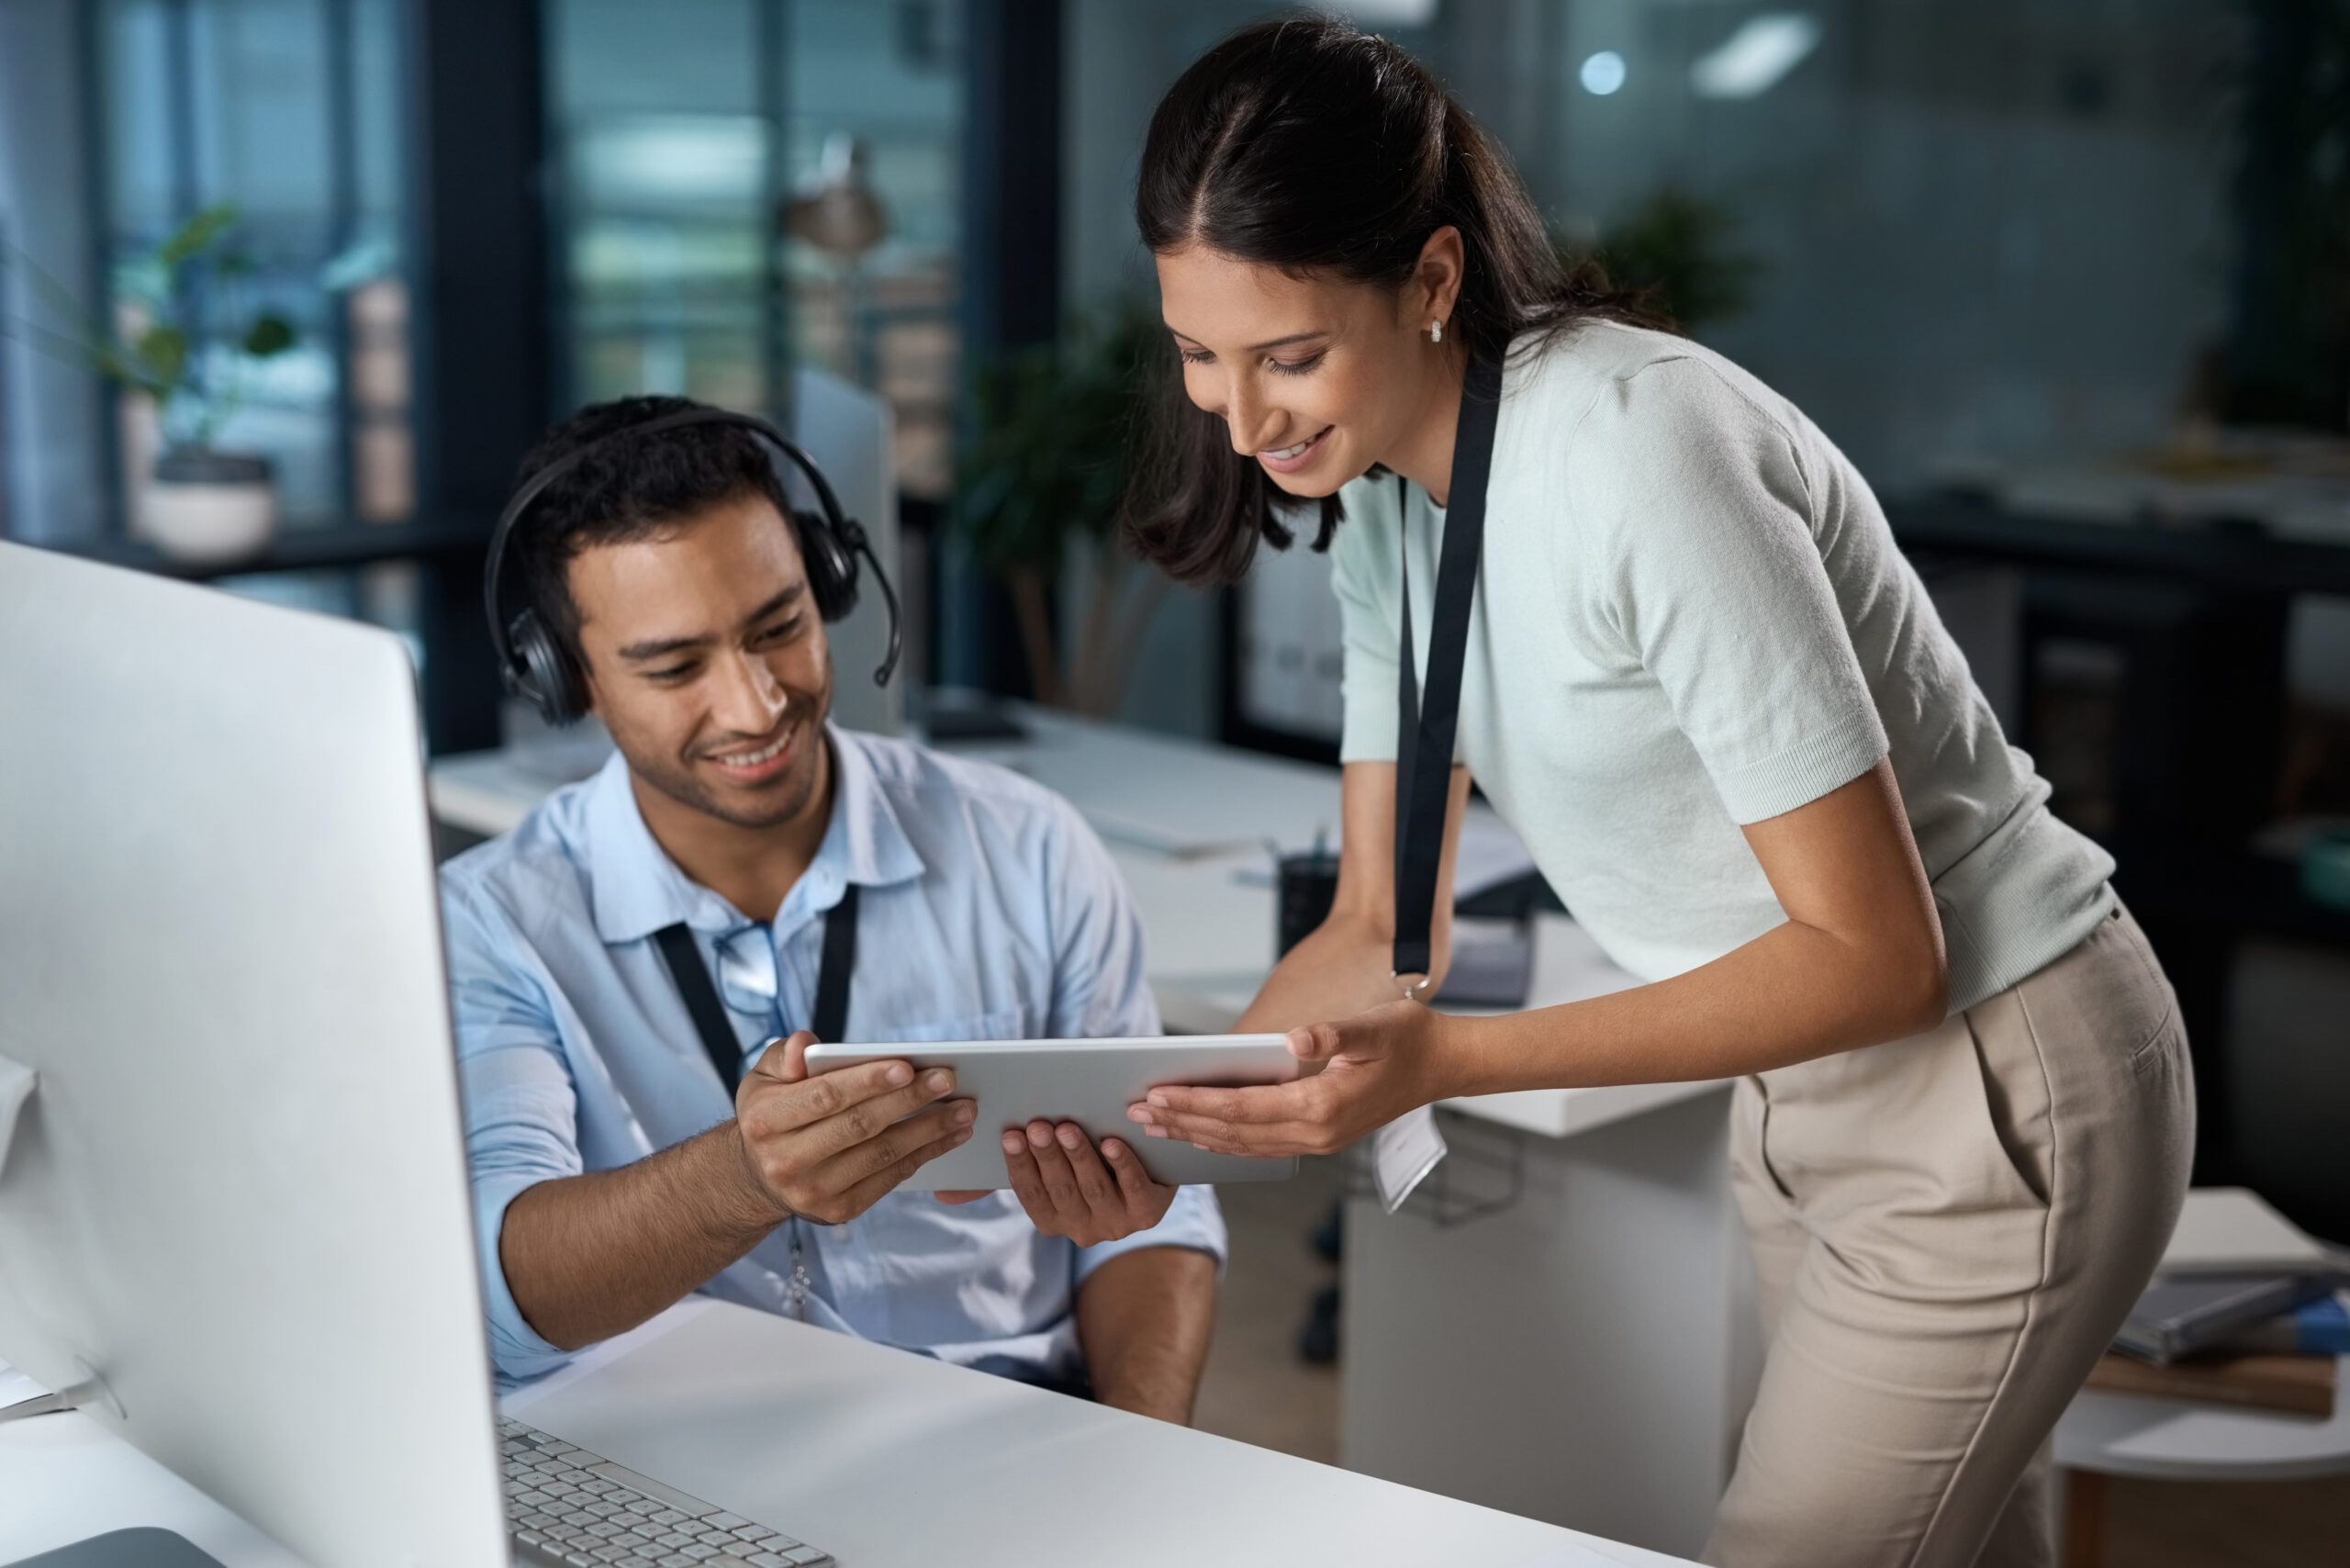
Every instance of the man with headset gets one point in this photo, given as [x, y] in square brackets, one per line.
[622, 961]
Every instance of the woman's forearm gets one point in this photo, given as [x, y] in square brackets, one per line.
[1794, 993]
[1338, 969]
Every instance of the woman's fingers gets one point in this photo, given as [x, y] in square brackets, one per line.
[1265, 1104]
[1282, 1140]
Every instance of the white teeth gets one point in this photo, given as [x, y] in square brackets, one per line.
[1289, 451]
[752, 758]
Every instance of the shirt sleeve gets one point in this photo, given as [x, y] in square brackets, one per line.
[1368, 628]
[1194, 1219]
[520, 1108]
[1100, 989]
[1703, 520]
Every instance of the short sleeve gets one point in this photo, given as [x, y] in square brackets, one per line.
[1713, 575]
[1369, 536]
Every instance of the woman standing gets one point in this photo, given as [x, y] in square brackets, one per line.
[1694, 674]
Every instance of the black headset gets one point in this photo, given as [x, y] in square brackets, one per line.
[531, 656]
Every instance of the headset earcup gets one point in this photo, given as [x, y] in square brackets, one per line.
[544, 676]
[831, 570]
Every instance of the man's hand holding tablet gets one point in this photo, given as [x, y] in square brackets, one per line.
[1071, 1189]
[829, 1148]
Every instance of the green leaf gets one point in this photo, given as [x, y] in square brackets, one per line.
[195, 234]
[162, 350]
[269, 335]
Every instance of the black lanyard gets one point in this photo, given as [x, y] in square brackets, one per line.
[1426, 721]
[717, 1031]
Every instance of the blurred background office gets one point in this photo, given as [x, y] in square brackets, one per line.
[2070, 283]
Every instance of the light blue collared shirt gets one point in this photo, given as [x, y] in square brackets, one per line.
[987, 909]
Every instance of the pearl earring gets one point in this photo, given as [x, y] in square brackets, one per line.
[1436, 332]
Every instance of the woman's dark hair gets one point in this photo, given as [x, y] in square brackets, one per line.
[627, 488]
[1309, 145]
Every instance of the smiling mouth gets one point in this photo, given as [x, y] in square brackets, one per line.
[1291, 454]
[752, 758]
[745, 759]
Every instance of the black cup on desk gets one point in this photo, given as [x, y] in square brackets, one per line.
[1304, 885]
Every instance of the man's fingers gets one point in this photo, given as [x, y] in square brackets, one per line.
[868, 1119]
[787, 1063]
[881, 1184]
[870, 1101]
[852, 1166]
[1021, 1166]
[1135, 1184]
[1093, 1183]
[1052, 1167]
[770, 1103]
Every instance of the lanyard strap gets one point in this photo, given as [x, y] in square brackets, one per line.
[717, 1032]
[1426, 720]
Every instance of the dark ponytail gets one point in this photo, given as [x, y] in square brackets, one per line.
[1312, 146]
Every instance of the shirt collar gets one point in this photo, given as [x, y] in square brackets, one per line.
[638, 889]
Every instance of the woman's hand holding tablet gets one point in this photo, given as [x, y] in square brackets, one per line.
[1372, 1068]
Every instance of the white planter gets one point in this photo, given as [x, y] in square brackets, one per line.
[209, 507]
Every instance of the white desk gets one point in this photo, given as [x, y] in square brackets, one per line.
[1585, 1356]
[2179, 1439]
[881, 1457]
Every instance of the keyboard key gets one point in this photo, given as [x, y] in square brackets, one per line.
[769, 1560]
[726, 1521]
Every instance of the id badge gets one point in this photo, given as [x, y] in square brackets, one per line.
[1402, 1153]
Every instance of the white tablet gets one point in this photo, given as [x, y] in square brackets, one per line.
[1089, 1082]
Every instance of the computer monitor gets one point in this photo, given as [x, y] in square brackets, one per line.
[234, 1207]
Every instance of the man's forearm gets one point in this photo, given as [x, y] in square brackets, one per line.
[1144, 1319]
[589, 1256]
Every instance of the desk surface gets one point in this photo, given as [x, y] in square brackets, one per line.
[2179, 1439]
[879, 1456]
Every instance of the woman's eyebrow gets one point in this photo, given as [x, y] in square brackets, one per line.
[1258, 348]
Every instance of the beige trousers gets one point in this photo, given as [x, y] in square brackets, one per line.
[1947, 1230]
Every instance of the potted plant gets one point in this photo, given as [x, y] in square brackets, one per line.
[1678, 251]
[1041, 469]
[184, 341]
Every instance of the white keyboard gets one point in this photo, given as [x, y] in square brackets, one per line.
[567, 1506]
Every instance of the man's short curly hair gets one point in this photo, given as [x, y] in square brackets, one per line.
[628, 490]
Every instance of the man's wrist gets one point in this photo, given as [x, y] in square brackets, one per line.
[756, 1209]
